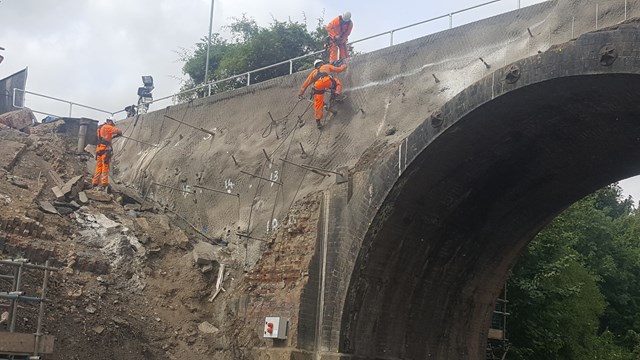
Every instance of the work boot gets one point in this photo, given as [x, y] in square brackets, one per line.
[318, 124]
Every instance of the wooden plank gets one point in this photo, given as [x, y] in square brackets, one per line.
[495, 334]
[24, 344]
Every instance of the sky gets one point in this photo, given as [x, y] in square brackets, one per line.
[93, 52]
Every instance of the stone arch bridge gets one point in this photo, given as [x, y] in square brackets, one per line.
[459, 146]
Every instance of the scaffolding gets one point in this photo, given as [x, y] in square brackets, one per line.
[497, 343]
[15, 345]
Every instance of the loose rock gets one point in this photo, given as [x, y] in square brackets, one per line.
[47, 207]
[204, 253]
[206, 327]
[98, 196]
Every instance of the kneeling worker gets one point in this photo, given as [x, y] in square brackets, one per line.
[322, 81]
[104, 152]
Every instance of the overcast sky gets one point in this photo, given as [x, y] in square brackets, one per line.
[93, 52]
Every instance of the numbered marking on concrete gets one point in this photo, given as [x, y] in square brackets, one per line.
[272, 225]
[228, 185]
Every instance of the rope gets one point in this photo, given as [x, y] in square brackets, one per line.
[258, 187]
[281, 188]
[315, 147]
[267, 130]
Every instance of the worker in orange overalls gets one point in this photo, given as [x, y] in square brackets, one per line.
[339, 30]
[104, 152]
[322, 81]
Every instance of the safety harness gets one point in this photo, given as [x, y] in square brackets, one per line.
[319, 75]
[103, 141]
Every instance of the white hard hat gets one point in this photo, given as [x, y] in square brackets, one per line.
[110, 118]
[346, 16]
[317, 63]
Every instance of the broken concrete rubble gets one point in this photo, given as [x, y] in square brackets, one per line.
[18, 181]
[108, 224]
[72, 187]
[19, 119]
[98, 196]
[57, 192]
[82, 198]
[204, 253]
[206, 327]
[47, 207]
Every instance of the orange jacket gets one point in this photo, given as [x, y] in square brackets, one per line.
[338, 27]
[321, 73]
[106, 133]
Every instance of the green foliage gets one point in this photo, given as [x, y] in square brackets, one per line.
[251, 47]
[576, 293]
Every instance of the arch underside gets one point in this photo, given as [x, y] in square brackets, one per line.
[426, 279]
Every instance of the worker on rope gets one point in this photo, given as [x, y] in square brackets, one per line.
[104, 152]
[322, 81]
[339, 30]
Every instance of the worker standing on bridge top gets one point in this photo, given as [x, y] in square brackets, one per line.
[104, 152]
[339, 30]
[322, 81]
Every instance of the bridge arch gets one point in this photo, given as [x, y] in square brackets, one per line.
[462, 196]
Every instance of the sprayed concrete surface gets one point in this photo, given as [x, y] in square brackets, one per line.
[402, 87]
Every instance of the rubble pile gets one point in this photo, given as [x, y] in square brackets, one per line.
[133, 284]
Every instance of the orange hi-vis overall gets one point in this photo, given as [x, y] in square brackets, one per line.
[322, 81]
[339, 30]
[104, 151]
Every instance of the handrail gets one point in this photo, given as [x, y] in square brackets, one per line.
[71, 103]
[290, 61]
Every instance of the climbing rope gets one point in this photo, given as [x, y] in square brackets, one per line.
[274, 122]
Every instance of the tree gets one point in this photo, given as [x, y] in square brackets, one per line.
[251, 47]
[575, 294]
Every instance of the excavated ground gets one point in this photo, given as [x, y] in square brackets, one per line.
[129, 285]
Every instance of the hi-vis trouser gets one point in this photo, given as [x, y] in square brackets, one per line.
[103, 159]
[333, 47]
[319, 87]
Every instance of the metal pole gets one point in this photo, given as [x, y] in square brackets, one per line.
[625, 9]
[309, 167]
[450, 21]
[141, 142]
[596, 16]
[248, 78]
[260, 177]
[518, 4]
[290, 67]
[573, 24]
[391, 40]
[14, 303]
[191, 126]
[174, 188]
[209, 90]
[26, 265]
[206, 66]
[215, 190]
[70, 109]
[41, 312]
